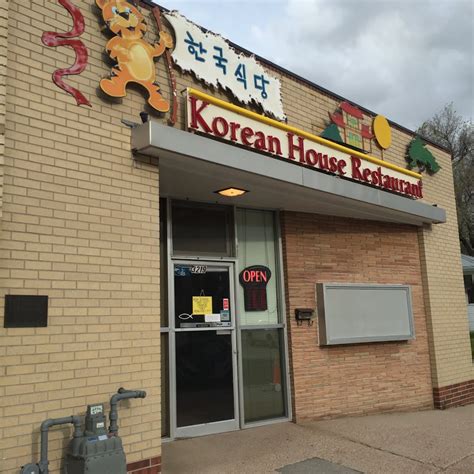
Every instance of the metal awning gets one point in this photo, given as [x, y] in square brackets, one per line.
[194, 167]
[467, 264]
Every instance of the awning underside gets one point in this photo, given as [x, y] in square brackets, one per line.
[193, 167]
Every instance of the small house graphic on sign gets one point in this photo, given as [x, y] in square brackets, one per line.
[347, 127]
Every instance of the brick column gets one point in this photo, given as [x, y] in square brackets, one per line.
[452, 369]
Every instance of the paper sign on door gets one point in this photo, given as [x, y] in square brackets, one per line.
[202, 305]
[212, 318]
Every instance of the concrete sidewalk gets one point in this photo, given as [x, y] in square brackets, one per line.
[416, 442]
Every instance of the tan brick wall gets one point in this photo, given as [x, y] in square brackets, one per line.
[358, 378]
[445, 298]
[3, 90]
[80, 224]
[445, 301]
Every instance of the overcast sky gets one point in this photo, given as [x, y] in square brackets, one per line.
[403, 59]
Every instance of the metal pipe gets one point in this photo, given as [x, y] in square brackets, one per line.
[75, 420]
[122, 394]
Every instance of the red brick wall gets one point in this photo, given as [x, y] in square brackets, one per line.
[147, 466]
[359, 378]
[454, 395]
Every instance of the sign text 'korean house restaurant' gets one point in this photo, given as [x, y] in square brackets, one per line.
[225, 121]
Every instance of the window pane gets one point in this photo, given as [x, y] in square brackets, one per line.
[256, 237]
[163, 265]
[211, 288]
[262, 372]
[165, 392]
[204, 377]
[354, 139]
[352, 122]
[200, 229]
[469, 287]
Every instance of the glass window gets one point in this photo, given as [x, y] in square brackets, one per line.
[163, 265]
[202, 229]
[202, 296]
[352, 122]
[256, 237]
[165, 395]
[262, 374]
[204, 377]
[469, 288]
[354, 139]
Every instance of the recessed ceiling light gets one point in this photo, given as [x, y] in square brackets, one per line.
[231, 192]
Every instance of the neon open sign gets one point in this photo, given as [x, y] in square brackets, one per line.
[254, 281]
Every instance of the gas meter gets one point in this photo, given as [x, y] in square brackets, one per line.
[93, 451]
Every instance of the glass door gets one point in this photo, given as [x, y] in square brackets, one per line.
[205, 348]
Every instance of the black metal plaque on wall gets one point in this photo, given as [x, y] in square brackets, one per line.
[25, 311]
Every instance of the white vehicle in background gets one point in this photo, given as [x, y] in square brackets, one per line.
[468, 272]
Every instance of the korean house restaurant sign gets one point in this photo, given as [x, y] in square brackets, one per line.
[214, 117]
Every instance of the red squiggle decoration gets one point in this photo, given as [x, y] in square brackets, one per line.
[51, 38]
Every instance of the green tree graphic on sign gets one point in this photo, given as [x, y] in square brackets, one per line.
[419, 155]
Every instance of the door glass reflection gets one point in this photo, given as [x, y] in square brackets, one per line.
[263, 387]
[196, 285]
[204, 377]
[165, 399]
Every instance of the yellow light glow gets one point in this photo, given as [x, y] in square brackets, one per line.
[231, 192]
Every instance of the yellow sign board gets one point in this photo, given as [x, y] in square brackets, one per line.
[202, 305]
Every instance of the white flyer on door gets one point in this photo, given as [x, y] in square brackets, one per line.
[212, 318]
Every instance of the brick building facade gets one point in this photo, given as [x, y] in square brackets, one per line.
[80, 223]
[353, 380]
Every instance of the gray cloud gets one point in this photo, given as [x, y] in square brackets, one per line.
[401, 59]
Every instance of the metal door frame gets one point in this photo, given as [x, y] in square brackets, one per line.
[174, 432]
[217, 426]
[280, 325]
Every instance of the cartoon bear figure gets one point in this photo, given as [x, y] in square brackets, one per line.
[134, 55]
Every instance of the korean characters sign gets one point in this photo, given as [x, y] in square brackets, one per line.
[213, 61]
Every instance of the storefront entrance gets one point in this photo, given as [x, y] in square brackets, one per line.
[223, 336]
